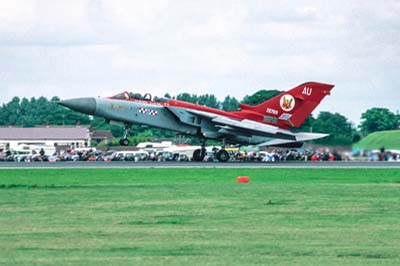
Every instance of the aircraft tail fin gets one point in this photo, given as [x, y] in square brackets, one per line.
[291, 108]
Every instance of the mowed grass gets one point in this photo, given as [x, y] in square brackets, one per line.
[200, 217]
[388, 139]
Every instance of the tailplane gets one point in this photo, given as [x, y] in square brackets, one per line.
[291, 108]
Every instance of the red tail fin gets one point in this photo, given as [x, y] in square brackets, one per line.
[291, 108]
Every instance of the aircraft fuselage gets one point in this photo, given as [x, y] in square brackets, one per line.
[266, 124]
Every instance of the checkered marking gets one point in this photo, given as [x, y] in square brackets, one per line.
[147, 111]
[153, 112]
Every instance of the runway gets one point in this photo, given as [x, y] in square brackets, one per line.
[188, 165]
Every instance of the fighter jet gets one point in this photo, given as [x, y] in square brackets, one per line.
[266, 124]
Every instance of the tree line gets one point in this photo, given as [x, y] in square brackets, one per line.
[41, 111]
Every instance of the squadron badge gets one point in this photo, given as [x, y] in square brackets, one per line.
[287, 102]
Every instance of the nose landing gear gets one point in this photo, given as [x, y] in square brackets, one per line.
[124, 141]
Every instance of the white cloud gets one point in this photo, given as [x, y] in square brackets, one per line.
[97, 47]
[134, 14]
[16, 12]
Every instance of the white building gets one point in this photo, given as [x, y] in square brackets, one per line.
[13, 138]
[154, 145]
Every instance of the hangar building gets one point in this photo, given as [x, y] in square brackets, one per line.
[13, 137]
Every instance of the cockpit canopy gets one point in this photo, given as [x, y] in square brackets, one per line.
[137, 96]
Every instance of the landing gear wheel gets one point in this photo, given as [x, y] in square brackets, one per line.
[223, 156]
[198, 155]
[124, 142]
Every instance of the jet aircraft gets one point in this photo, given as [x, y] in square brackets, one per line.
[266, 124]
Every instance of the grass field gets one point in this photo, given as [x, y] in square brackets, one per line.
[388, 139]
[200, 217]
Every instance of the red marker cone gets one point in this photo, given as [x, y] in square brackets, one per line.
[243, 179]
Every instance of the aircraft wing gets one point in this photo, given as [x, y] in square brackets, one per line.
[300, 137]
[249, 127]
[227, 126]
[231, 126]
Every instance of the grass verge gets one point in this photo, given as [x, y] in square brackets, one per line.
[200, 217]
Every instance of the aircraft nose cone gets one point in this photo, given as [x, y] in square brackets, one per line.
[83, 105]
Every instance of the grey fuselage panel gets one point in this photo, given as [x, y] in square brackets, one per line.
[153, 115]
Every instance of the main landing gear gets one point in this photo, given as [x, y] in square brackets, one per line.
[124, 141]
[199, 154]
[222, 155]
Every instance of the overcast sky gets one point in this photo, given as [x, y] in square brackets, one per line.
[77, 48]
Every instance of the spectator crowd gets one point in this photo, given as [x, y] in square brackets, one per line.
[91, 154]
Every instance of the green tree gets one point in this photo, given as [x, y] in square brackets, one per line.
[338, 127]
[186, 97]
[209, 100]
[230, 104]
[307, 125]
[378, 119]
[10, 112]
[41, 111]
[25, 119]
[260, 96]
